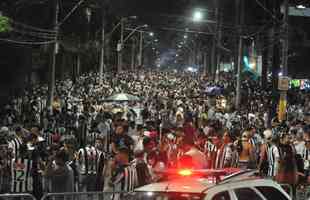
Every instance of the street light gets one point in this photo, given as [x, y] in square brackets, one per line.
[197, 16]
[301, 6]
[88, 13]
[151, 34]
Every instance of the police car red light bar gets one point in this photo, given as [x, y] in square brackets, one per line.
[185, 172]
[215, 173]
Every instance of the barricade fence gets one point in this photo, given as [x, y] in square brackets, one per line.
[301, 194]
[21, 196]
[86, 196]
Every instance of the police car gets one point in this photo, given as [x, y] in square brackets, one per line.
[212, 185]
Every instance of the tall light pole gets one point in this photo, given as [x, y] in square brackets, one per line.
[198, 16]
[283, 91]
[102, 66]
[240, 49]
[140, 62]
[120, 46]
[140, 56]
[133, 54]
[51, 82]
[141, 40]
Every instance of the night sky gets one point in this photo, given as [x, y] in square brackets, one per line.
[158, 14]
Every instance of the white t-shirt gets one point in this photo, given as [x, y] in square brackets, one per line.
[300, 147]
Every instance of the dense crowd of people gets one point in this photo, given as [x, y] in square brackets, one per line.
[182, 120]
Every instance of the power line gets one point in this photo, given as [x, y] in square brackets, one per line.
[47, 31]
[270, 45]
[261, 30]
[268, 11]
[33, 34]
[26, 42]
[70, 13]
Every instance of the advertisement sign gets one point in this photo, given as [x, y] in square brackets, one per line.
[284, 83]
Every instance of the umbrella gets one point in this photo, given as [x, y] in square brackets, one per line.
[123, 97]
[214, 91]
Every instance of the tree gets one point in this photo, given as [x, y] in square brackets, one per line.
[4, 24]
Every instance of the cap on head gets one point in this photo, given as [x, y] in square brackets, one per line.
[267, 133]
[4, 129]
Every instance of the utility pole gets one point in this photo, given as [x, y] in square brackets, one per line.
[214, 42]
[133, 54]
[285, 38]
[219, 39]
[140, 63]
[120, 48]
[240, 51]
[265, 61]
[236, 36]
[275, 60]
[51, 82]
[239, 71]
[283, 93]
[205, 63]
[102, 66]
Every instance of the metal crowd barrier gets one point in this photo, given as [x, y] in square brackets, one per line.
[86, 196]
[21, 196]
[303, 193]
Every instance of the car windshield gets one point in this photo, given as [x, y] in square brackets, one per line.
[164, 196]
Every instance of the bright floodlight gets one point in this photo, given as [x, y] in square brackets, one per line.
[185, 36]
[151, 34]
[197, 16]
[301, 6]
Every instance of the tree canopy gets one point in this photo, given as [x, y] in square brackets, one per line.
[4, 24]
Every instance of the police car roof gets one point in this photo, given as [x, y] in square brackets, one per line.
[196, 184]
[184, 185]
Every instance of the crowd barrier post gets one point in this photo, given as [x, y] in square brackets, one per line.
[303, 193]
[19, 196]
[84, 196]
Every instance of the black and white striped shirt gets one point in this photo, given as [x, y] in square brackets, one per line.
[209, 147]
[88, 158]
[48, 137]
[15, 145]
[306, 158]
[124, 180]
[273, 156]
[224, 157]
[92, 136]
[21, 175]
[101, 169]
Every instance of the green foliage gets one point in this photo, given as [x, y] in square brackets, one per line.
[4, 24]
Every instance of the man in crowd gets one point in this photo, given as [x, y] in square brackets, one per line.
[59, 173]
